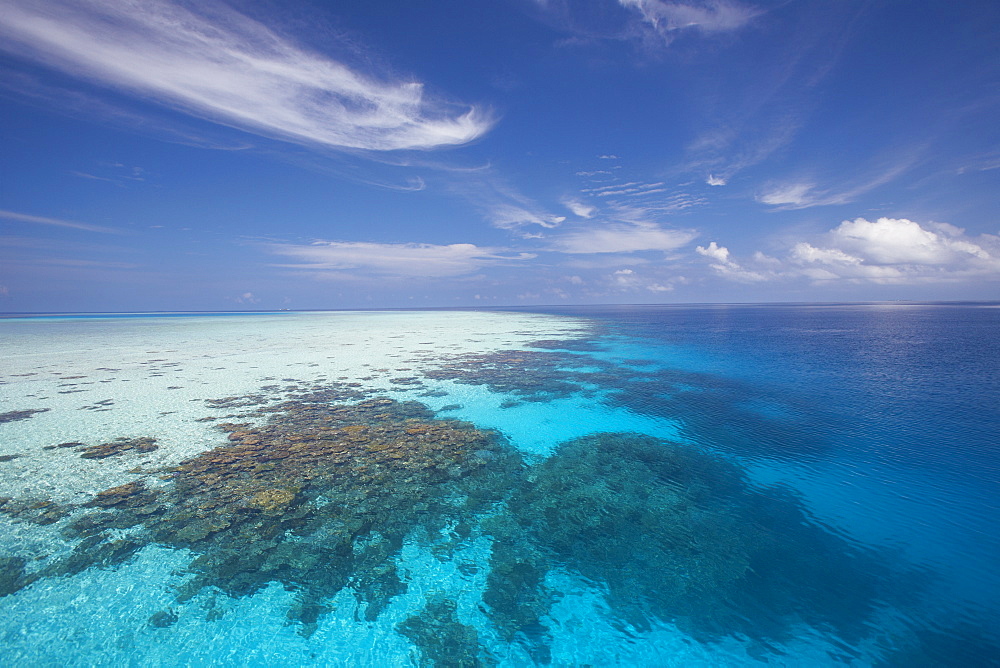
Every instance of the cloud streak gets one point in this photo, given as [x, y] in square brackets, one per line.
[55, 222]
[666, 18]
[803, 194]
[223, 66]
[356, 259]
[621, 238]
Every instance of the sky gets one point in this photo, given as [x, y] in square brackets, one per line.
[166, 155]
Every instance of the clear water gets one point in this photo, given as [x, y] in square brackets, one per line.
[661, 485]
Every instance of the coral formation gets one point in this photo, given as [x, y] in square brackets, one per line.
[443, 640]
[672, 534]
[320, 493]
[527, 374]
[11, 416]
[318, 498]
[119, 446]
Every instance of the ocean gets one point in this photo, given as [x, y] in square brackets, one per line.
[663, 485]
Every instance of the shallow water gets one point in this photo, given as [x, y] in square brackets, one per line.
[673, 485]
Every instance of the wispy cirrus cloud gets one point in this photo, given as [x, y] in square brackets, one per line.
[56, 222]
[215, 63]
[756, 115]
[805, 193]
[632, 189]
[621, 237]
[667, 18]
[579, 209]
[361, 260]
[509, 216]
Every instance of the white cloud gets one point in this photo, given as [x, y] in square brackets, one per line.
[221, 65]
[706, 16]
[513, 216]
[888, 250]
[901, 241]
[803, 194]
[805, 252]
[901, 250]
[344, 259]
[628, 280]
[634, 190]
[727, 267]
[766, 260]
[580, 209]
[56, 222]
[247, 298]
[621, 238]
[713, 180]
[794, 194]
[714, 251]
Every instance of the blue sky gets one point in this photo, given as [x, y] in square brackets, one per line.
[163, 155]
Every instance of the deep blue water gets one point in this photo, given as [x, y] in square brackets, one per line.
[884, 417]
[678, 485]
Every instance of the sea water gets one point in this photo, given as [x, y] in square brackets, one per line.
[629, 485]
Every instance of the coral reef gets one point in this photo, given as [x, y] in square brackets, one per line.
[672, 534]
[119, 446]
[11, 416]
[318, 498]
[561, 369]
[529, 375]
[443, 640]
[319, 494]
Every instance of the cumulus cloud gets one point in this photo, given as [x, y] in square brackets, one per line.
[887, 250]
[899, 250]
[247, 298]
[356, 259]
[217, 64]
[621, 238]
[628, 280]
[902, 241]
[714, 251]
[727, 267]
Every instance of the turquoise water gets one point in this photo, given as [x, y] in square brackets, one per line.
[649, 485]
